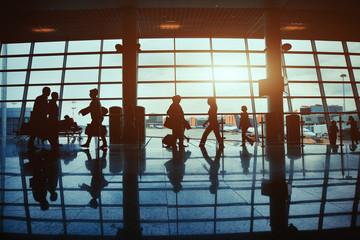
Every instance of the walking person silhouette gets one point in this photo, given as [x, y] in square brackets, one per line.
[244, 125]
[176, 114]
[213, 124]
[354, 132]
[38, 119]
[97, 116]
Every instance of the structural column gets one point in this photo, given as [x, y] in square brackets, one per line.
[130, 62]
[275, 122]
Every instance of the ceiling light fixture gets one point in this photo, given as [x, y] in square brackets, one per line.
[294, 27]
[43, 30]
[170, 25]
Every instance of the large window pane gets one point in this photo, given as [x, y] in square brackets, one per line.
[91, 60]
[332, 60]
[299, 45]
[299, 59]
[233, 105]
[109, 44]
[15, 48]
[193, 59]
[156, 90]
[304, 89]
[228, 44]
[83, 75]
[229, 59]
[231, 73]
[35, 91]
[355, 61]
[84, 46]
[261, 105]
[14, 93]
[155, 106]
[13, 77]
[78, 91]
[258, 73]
[192, 44]
[48, 62]
[256, 44]
[357, 74]
[298, 103]
[337, 89]
[257, 58]
[193, 73]
[194, 89]
[328, 46]
[111, 91]
[156, 74]
[112, 60]
[353, 47]
[349, 103]
[334, 74]
[232, 89]
[156, 44]
[111, 75]
[156, 59]
[43, 77]
[301, 74]
[195, 106]
[49, 47]
[14, 63]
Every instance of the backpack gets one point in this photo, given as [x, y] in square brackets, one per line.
[168, 141]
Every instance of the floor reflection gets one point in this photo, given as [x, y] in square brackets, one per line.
[127, 192]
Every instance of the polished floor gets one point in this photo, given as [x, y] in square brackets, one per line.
[76, 193]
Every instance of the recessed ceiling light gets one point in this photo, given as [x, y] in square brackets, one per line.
[294, 27]
[170, 25]
[43, 30]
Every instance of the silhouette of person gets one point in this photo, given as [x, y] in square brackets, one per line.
[45, 176]
[38, 119]
[53, 131]
[98, 181]
[97, 117]
[244, 125]
[333, 130]
[175, 168]
[213, 170]
[176, 114]
[354, 132]
[213, 124]
[68, 124]
[245, 157]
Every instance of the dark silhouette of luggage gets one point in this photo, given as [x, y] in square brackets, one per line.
[169, 140]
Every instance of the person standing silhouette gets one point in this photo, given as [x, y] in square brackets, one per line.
[354, 132]
[53, 123]
[244, 125]
[176, 114]
[38, 119]
[97, 117]
[333, 130]
[213, 124]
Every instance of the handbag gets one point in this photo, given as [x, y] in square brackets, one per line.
[169, 123]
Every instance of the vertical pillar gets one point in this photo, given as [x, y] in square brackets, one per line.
[275, 135]
[130, 61]
[275, 121]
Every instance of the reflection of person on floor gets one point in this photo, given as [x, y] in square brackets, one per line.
[38, 119]
[45, 176]
[175, 168]
[97, 117]
[213, 124]
[98, 181]
[176, 114]
[213, 170]
[244, 125]
[245, 157]
[354, 132]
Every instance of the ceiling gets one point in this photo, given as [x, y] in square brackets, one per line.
[95, 19]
